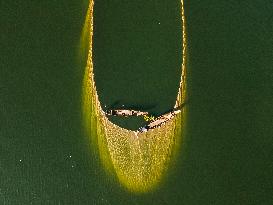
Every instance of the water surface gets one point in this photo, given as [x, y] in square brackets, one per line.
[137, 55]
[226, 158]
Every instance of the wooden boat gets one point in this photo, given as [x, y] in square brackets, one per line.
[157, 122]
[125, 113]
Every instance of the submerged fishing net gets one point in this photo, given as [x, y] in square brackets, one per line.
[139, 160]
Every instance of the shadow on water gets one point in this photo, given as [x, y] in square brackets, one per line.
[123, 104]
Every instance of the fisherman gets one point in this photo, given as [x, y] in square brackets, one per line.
[148, 118]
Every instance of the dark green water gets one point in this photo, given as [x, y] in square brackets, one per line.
[137, 56]
[226, 156]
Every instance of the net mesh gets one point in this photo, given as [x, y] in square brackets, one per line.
[139, 160]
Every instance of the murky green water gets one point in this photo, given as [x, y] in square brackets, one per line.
[45, 157]
[138, 49]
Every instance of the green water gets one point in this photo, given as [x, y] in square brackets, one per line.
[226, 156]
[137, 56]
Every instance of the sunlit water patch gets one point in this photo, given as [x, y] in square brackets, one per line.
[138, 160]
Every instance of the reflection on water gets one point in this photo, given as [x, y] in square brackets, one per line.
[138, 160]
